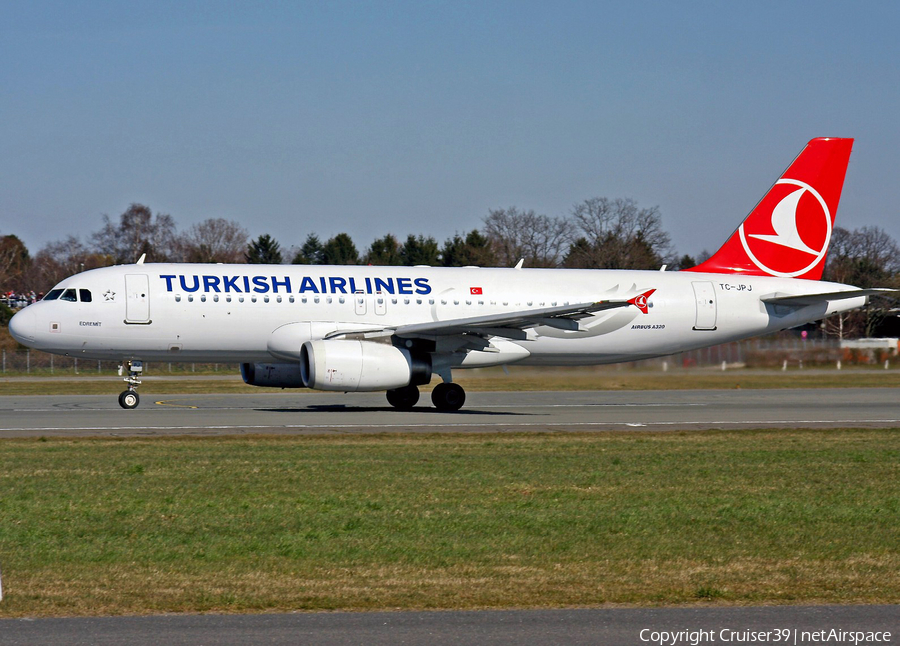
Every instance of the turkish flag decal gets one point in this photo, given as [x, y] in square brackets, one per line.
[475, 290]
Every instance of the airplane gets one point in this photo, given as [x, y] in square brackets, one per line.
[355, 328]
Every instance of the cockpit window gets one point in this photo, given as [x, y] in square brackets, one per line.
[85, 295]
[53, 294]
[69, 295]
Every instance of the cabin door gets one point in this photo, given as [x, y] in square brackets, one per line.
[137, 298]
[705, 298]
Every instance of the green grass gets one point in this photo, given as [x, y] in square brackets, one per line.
[314, 523]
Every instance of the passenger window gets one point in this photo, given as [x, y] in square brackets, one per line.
[85, 295]
[69, 295]
[53, 294]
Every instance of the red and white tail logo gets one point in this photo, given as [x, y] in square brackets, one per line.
[788, 232]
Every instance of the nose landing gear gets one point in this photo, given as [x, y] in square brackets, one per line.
[129, 398]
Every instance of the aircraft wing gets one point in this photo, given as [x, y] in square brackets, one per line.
[812, 299]
[510, 325]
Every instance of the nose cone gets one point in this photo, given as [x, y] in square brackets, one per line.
[22, 326]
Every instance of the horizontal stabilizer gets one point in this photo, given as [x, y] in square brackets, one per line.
[823, 297]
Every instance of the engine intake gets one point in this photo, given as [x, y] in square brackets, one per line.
[272, 375]
[351, 366]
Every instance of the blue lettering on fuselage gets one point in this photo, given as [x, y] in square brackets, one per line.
[275, 284]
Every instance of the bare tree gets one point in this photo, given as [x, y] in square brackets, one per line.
[616, 234]
[57, 260]
[515, 235]
[864, 257]
[137, 232]
[214, 240]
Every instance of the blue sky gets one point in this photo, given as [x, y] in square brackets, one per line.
[419, 117]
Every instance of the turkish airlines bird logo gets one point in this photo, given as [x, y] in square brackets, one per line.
[640, 301]
[791, 236]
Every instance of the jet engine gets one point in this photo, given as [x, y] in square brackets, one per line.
[272, 375]
[350, 366]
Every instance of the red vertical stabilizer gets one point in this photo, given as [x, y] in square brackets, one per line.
[788, 232]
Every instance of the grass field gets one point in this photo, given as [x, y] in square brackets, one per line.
[494, 379]
[91, 527]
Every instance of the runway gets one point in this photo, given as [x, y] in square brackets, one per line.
[324, 413]
[772, 625]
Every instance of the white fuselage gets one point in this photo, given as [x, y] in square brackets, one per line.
[233, 313]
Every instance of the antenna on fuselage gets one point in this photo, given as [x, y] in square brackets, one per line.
[519, 264]
[140, 260]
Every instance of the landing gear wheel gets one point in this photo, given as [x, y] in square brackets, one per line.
[448, 396]
[129, 399]
[403, 398]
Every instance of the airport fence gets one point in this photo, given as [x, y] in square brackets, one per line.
[36, 363]
[755, 353]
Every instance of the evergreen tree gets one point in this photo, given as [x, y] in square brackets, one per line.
[263, 251]
[384, 251]
[311, 253]
[419, 250]
[474, 249]
[340, 250]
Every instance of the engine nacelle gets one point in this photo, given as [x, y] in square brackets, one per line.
[350, 366]
[272, 375]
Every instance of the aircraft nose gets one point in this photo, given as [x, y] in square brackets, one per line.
[22, 326]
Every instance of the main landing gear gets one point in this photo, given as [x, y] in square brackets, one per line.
[446, 396]
[129, 398]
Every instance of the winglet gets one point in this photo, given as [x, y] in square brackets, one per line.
[640, 301]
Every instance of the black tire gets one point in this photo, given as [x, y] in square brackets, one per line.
[403, 398]
[448, 396]
[129, 399]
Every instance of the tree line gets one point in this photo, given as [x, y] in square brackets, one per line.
[599, 233]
